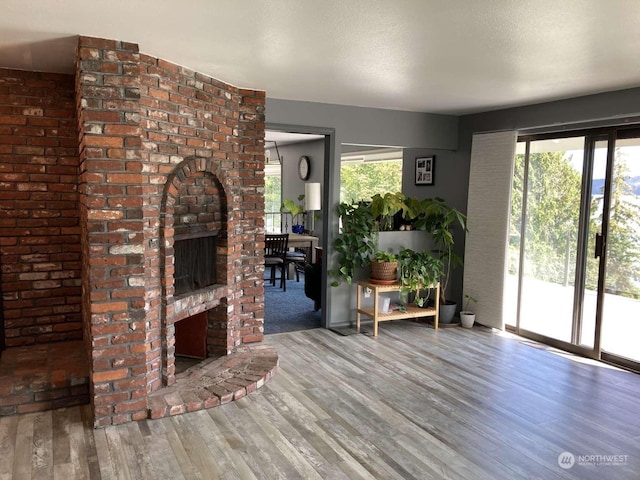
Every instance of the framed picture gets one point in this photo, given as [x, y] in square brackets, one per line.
[425, 170]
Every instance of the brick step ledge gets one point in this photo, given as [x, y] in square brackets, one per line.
[36, 378]
[215, 381]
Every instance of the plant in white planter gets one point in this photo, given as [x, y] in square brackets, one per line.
[467, 317]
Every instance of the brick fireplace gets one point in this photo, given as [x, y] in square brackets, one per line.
[101, 174]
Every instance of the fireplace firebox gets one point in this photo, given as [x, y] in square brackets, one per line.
[195, 262]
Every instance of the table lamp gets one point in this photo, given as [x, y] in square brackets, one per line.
[312, 201]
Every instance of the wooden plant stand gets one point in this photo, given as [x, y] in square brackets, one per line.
[412, 311]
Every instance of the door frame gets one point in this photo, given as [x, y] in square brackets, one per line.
[327, 194]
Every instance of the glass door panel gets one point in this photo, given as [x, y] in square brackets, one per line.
[592, 264]
[621, 300]
[512, 276]
[552, 205]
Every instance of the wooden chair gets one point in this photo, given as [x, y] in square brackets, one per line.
[275, 252]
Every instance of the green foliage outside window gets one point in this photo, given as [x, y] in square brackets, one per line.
[361, 181]
[551, 230]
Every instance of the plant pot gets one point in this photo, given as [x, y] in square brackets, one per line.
[297, 228]
[467, 319]
[384, 271]
[447, 312]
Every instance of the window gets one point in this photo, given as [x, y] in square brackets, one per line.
[364, 174]
[272, 197]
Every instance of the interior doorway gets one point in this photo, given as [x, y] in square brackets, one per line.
[286, 147]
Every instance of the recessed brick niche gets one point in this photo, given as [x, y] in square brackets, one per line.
[100, 175]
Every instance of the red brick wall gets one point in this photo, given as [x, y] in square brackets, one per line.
[90, 174]
[147, 126]
[39, 219]
[112, 190]
[199, 206]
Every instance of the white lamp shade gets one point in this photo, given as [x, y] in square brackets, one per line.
[312, 196]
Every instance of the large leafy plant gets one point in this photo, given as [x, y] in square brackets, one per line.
[419, 272]
[356, 243]
[440, 220]
[384, 207]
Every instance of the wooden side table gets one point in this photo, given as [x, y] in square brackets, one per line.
[412, 310]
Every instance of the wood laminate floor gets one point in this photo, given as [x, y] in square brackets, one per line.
[413, 403]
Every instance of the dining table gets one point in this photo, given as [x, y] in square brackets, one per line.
[300, 240]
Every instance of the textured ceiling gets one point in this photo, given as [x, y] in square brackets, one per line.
[441, 56]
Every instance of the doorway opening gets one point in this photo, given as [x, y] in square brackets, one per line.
[300, 306]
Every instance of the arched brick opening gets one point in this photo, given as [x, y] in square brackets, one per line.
[194, 205]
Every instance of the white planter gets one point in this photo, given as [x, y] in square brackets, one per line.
[467, 319]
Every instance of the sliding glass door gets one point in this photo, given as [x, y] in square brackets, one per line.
[574, 263]
[620, 310]
[550, 173]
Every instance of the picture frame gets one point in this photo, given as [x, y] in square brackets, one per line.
[425, 170]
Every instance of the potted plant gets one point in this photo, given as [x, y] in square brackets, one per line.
[467, 317]
[419, 272]
[439, 220]
[385, 207]
[384, 267]
[355, 245]
[295, 209]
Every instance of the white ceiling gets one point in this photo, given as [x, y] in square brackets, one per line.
[441, 56]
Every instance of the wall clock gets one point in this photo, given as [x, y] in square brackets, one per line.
[304, 167]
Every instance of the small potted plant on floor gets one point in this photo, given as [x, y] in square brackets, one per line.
[467, 317]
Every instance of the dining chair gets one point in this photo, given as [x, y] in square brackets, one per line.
[275, 252]
[297, 258]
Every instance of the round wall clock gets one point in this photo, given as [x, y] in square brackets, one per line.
[304, 167]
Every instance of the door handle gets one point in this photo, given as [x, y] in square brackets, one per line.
[599, 250]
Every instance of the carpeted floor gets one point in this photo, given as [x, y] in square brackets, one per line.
[288, 311]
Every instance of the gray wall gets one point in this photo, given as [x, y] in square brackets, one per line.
[292, 186]
[447, 137]
[449, 184]
[611, 108]
[369, 126]
[361, 126]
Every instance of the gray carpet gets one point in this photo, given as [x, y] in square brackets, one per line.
[288, 311]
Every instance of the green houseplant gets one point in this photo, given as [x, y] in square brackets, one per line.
[295, 209]
[385, 207]
[440, 220]
[361, 221]
[356, 243]
[384, 267]
[419, 271]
